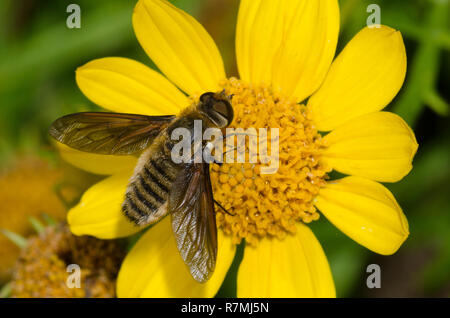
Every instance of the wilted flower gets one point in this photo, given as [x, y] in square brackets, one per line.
[27, 189]
[42, 268]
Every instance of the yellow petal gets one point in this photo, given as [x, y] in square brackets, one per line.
[366, 212]
[259, 33]
[287, 43]
[379, 146]
[293, 267]
[97, 164]
[179, 46]
[363, 79]
[307, 49]
[99, 212]
[127, 86]
[154, 267]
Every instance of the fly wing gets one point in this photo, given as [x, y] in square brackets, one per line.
[191, 206]
[108, 133]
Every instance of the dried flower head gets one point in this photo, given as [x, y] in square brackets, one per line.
[41, 270]
[26, 189]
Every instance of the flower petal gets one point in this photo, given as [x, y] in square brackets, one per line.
[154, 267]
[379, 146]
[308, 48]
[127, 86]
[293, 267]
[97, 164]
[179, 46]
[366, 212]
[287, 43]
[99, 212]
[363, 79]
[259, 33]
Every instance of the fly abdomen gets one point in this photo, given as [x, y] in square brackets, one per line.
[150, 191]
[160, 181]
[164, 171]
[138, 206]
[147, 195]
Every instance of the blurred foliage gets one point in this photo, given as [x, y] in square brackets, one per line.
[38, 56]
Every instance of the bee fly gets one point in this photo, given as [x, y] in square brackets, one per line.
[159, 186]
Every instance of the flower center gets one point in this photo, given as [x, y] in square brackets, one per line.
[41, 270]
[259, 204]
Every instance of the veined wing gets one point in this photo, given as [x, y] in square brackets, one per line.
[108, 133]
[193, 219]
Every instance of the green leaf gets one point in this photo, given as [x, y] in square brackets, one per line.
[424, 67]
[48, 219]
[20, 241]
[36, 224]
[436, 103]
[5, 291]
[55, 47]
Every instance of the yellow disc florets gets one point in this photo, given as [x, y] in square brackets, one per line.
[42, 269]
[269, 204]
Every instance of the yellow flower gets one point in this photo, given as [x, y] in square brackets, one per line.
[285, 53]
[41, 271]
[27, 189]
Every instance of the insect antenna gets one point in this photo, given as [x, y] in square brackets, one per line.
[225, 210]
[221, 163]
[235, 134]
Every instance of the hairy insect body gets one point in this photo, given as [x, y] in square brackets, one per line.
[159, 185]
[149, 187]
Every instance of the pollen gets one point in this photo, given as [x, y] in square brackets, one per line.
[27, 189]
[269, 204]
[42, 271]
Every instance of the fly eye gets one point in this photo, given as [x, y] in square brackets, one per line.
[225, 110]
[221, 108]
[206, 97]
[217, 108]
